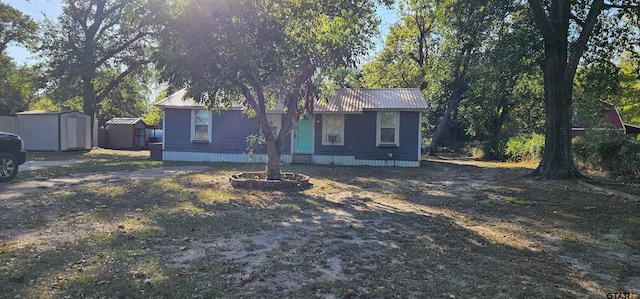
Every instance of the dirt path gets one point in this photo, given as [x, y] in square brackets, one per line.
[19, 188]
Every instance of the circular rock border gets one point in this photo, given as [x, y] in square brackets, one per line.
[258, 180]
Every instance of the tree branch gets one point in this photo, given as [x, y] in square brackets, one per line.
[541, 19]
[102, 93]
[620, 6]
[581, 43]
[109, 54]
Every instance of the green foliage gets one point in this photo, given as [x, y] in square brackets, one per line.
[627, 98]
[44, 104]
[16, 27]
[92, 48]
[153, 116]
[609, 151]
[18, 86]
[527, 147]
[263, 52]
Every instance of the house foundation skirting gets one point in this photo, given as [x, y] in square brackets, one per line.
[315, 159]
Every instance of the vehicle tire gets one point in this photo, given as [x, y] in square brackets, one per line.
[8, 167]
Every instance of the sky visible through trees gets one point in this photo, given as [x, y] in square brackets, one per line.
[39, 9]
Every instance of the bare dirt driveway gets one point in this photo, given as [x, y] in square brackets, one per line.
[450, 229]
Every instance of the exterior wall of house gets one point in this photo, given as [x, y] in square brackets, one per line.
[229, 131]
[230, 128]
[360, 138]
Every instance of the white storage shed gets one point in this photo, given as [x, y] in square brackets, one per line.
[54, 130]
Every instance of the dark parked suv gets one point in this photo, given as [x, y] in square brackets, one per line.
[12, 154]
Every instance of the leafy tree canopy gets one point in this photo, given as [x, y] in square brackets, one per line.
[265, 52]
[93, 47]
[14, 26]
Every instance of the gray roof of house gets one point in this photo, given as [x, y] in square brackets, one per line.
[124, 121]
[178, 100]
[351, 100]
[356, 100]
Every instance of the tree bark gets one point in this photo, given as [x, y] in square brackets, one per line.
[557, 160]
[460, 87]
[559, 68]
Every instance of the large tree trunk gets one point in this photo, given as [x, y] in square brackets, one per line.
[561, 62]
[89, 101]
[557, 160]
[438, 133]
[460, 88]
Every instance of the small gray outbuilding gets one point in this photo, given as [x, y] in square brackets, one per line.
[54, 130]
[126, 133]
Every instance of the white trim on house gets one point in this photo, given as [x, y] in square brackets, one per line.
[275, 120]
[193, 126]
[315, 159]
[339, 133]
[164, 129]
[419, 136]
[212, 157]
[396, 129]
[352, 161]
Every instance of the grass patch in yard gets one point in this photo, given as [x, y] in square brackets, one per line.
[519, 201]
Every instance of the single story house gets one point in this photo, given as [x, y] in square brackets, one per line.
[611, 120]
[54, 130]
[126, 133]
[376, 127]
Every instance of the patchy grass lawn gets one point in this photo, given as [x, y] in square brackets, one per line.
[449, 229]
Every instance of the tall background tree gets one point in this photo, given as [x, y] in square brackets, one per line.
[573, 30]
[263, 53]
[474, 61]
[94, 47]
[17, 83]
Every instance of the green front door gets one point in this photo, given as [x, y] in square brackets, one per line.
[303, 136]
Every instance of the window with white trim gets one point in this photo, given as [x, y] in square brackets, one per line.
[275, 122]
[388, 128]
[200, 126]
[333, 129]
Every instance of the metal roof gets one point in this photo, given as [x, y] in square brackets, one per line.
[124, 121]
[356, 100]
[178, 100]
[43, 112]
[352, 100]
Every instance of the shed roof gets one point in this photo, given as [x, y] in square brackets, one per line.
[356, 100]
[124, 121]
[632, 129]
[43, 112]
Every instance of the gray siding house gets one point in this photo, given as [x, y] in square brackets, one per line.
[375, 127]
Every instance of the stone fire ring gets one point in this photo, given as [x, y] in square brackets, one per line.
[257, 180]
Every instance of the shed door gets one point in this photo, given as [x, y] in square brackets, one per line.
[75, 133]
[140, 136]
[72, 132]
[81, 133]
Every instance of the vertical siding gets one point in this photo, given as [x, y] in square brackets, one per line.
[230, 129]
[40, 132]
[360, 138]
[120, 136]
[9, 124]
